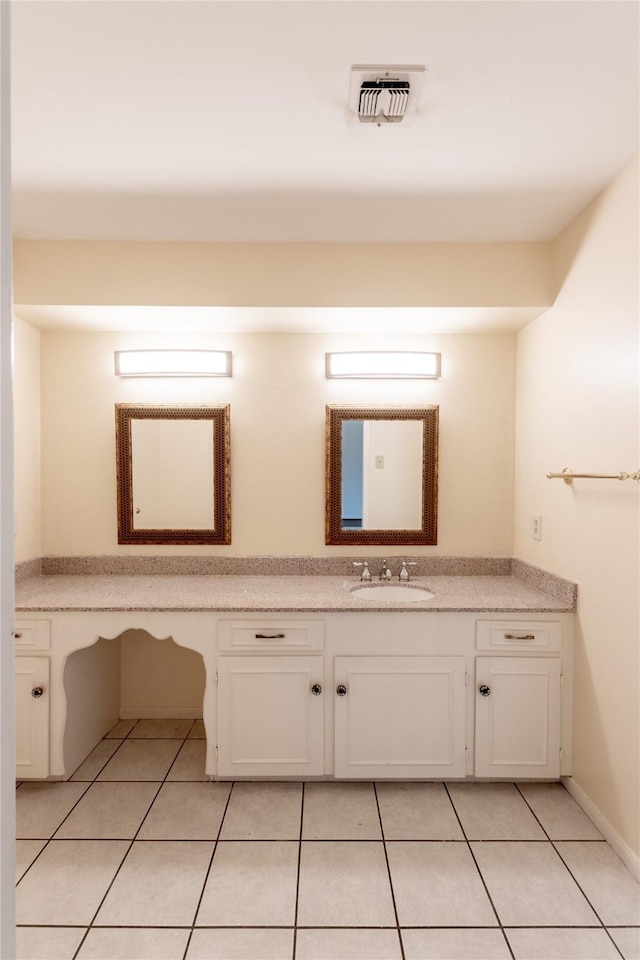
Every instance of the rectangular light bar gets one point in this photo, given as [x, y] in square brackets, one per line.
[173, 363]
[381, 365]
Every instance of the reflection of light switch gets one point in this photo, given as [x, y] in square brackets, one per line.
[379, 463]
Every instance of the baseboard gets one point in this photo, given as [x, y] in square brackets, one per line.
[613, 838]
[160, 713]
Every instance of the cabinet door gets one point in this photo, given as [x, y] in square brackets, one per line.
[399, 717]
[31, 692]
[517, 717]
[270, 720]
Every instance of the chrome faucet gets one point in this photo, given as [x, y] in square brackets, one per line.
[385, 573]
[404, 575]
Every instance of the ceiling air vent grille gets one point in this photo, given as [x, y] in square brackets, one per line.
[383, 101]
[381, 95]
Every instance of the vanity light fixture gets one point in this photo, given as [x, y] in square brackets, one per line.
[173, 363]
[383, 365]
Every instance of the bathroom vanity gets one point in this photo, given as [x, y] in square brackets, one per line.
[306, 679]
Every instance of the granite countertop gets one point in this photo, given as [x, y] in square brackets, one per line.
[277, 594]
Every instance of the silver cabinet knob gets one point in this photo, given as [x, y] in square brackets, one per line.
[316, 689]
[484, 690]
[37, 692]
[341, 690]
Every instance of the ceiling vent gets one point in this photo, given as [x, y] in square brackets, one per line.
[381, 95]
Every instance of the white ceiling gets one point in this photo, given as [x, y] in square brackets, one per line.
[228, 121]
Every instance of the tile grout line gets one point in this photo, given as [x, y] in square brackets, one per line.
[569, 871]
[82, 795]
[484, 884]
[386, 858]
[208, 871]
[68, 814]
[130, 847]
[295, 915]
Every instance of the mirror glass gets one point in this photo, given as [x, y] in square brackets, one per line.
[173, 474]
[381, 484]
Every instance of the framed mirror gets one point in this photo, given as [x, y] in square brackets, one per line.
[381, 475]
[173, 474]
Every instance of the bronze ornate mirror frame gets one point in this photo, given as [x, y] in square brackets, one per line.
[334, 532]
[221, 493]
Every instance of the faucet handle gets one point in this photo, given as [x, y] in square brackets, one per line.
[404, 572]
[366, 573]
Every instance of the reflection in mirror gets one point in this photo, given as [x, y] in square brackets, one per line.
[382, 475]
[173, 474]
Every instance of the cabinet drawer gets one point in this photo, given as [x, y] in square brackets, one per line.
[261, 635]
[518, 635]
[32, 635]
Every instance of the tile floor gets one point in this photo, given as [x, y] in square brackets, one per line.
[138, 857]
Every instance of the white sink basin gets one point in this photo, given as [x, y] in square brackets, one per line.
[392, 591]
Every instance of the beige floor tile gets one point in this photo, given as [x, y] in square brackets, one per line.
[494, 811]
[141, 760]
[189, 764]
[186, 811]
[558, 812]
[91, 767]
[251, 884]
[258, 944]
[530, 886]
[161, 729]
[109, 811]
[340, 811]
[127, 943]
[417, 811]
[437, 884]
[26, 852]
[41, 807]
[469, 944]
[609, 886]
[263, 811]
[121, 729]
[348, 942]
[344, 884]
[47, 943]
[158, 885]
[68, 881]
[561, 944]
[628, 941]
[197, 731]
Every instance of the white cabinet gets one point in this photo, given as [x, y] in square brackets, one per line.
[399, 717]
[406, 712]
[31, 693]
[270, 716]
[517, 717]
[32, 698]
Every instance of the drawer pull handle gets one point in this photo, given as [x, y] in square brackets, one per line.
[525, 636]
[270, 636]
[18, 635]
[37, 692]
[484, 690]
[316, 689]
[341, 690]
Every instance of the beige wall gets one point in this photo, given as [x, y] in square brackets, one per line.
[577, 406]
[282, 274]
[158, 678]
[26, 390]
[277, 400]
